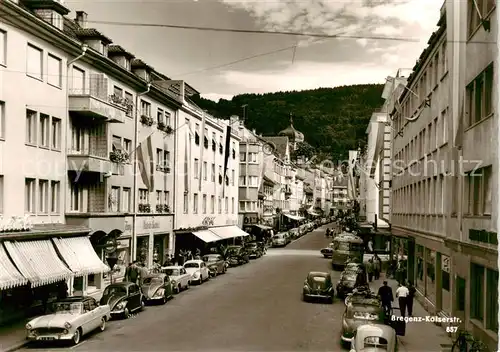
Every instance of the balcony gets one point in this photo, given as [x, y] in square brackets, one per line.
[89, 160]
[92, 104]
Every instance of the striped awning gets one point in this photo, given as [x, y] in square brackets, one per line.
[225, 232]
[38, 261]
[207, 236]
[80, 256]
[9, 275]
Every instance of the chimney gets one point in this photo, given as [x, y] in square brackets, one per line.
[81, 18]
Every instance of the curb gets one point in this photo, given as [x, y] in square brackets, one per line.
[16, 346]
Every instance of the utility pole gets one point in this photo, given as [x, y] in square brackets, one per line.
[244, 107]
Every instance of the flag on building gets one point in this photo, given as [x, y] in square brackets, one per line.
[146, 163]
[226, 157]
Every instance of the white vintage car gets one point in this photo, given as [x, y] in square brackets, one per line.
[179, 277]
[374, 337]
[73, 317]
[198, 270]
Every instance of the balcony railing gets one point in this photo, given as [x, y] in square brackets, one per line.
[88, 152]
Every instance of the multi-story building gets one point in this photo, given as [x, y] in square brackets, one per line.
[206, 186]
[339, 191]
[444, 192]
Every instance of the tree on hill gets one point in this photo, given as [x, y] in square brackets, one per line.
[333, 120]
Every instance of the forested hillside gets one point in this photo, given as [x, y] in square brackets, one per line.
[333, 120]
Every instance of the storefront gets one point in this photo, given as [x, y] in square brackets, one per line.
[154, 239]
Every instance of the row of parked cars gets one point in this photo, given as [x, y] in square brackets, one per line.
[73, 317]
[282, 239]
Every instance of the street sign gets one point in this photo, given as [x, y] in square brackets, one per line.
[110, 245]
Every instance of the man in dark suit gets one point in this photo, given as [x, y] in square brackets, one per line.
[386, 296]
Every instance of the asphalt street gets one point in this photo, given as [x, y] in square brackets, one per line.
[255, 307]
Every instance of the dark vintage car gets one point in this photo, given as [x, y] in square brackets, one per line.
[237, 255]
[123, 298]
[327, 252]
[157, 288]
[253, 250]
[354, 273]
[318, 285]
[262, 246]
[360, 310]
[215, 263]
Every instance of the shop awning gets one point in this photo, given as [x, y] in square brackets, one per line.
[294, 217]
[38, 261]
[80, 256]
[207, 236]
[9, 275]
[263, 227]
[225, 232]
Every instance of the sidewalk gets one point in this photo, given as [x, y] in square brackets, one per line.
[13, 337]
[421, 336]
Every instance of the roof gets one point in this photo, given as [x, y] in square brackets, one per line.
[91, 33]
[117, 49]
[375, 330]
[139, 63]
[292, 134]
[279, 143]
[318, 273]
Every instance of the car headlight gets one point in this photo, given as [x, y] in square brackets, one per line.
[29, 326]
[67, 325]
[196, 274]
[121, 305]
[159, 293]
[173, 282]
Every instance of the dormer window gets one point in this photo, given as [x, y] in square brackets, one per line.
[91, 36]
[120, 56]
[51, 11]
[141, 69]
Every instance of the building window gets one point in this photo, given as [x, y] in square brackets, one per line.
[479, 191]
[114, 200]
[232, 177]
[226, 205]
[480, 96]
[196, 168]
[130, 100]
[166, 161]
[492, 300]
[55, 133]
[34, 62]
[205, 165]
[252, 181]
[232, 205]
[195, 203]
[159, 116]
[76, 197]
[485, 6]
[145, 108]
[118, 92]
[158, 200]
[242, 205]
[126, 200]
[29, 193]
[143, 196]
[243, 157]
[43, 196]
[31, 123]
[204, 204]
[252, 157]
[166, 198]
[54, 196]
[213, 172]
[476, 292]
[2, 119]
[167, 118]
[243, 180]
[127, 146]
[54, 71]
[212, 204]
[44, 130]
[3, 48]
[220, 205]
[159, 159]
[186, 202]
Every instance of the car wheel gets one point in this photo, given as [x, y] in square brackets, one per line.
[102, 327]
[126, 313]
[224, 269]
[179, 288]
[76, 337]
[143, 304]
[164, 300]
[187, 285]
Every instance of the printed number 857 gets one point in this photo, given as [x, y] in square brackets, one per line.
[451, 328]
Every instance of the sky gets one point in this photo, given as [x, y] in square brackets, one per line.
[222, 64]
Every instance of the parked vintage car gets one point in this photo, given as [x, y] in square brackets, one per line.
[215, 263]
[157, 288]
[374, 337]
[73, 317]
[124, 298]
[327, 251]
[198, 270]
[346, 283]
[179, 277]
[237, 255]
[280, 239]
[318, 285]
[360, 310]
[262, 247]
[253, 250]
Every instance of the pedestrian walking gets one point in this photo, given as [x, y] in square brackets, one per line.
[402, 295]
[369, 269]
[385, 294]
[377, 266]
[411, 295]
[131, 273]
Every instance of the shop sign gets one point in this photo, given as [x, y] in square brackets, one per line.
[445, 263]
[208, 221]
[110, 246]
[15, 223]
[150, 224]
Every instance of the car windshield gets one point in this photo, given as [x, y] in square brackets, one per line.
[115, 290]
[152, 280]
[319, 278]
[173, 272]
[210, 258]
[364, 312]
[191, 265]
[68, 308]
